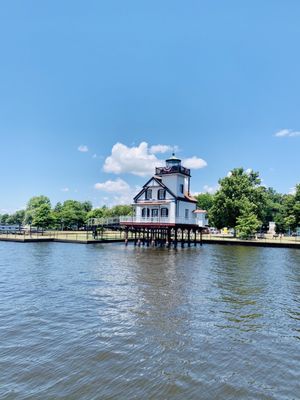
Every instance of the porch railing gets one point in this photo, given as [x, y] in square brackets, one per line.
[158, 220]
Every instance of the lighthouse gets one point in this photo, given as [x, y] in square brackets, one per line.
[165, 207]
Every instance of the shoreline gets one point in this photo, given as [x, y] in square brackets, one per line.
[277, 243]
[81, 238]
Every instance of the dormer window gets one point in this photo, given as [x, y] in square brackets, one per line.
[161, 195]
[148, 195]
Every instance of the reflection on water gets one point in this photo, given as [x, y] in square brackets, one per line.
[109, 322]
[242, 285]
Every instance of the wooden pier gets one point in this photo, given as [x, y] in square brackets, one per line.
[148, 236]
[163, 236]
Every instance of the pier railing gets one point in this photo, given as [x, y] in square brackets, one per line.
[158, 220]
[104, 221]
[116, 221]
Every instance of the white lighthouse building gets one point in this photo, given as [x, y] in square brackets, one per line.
[165, 200]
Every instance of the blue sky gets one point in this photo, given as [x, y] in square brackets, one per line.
[216, 79]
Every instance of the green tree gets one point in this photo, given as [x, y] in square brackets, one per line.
[284, 210]
[105, 212]
[290, 222]
[237, 191]
[58, 207]
[272, 208]
[296, 208]
[204, 201]
[4, 218]
[72, 214]
[119, 210]
[33, 206]
[287, 213]
[297, 192]
[280, 222]
[87, 206]
[42, 217]
[96, 213]
[247, 225]
[56, 217]
[247, 222]
[17, 218]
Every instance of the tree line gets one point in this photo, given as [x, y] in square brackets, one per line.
[245, 205]
[70, 214]
[241, 203]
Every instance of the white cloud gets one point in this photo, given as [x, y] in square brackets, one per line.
[126, 198]
[65, 189]
[94, 156]
[119, 185]
[292, 190]
[140, 160]
[12, 210]
[119, 192]
[162, 148]
[83, 148]
[287, 133]
[136, 160]
[248, 171]
[210, 189]
[194, 163]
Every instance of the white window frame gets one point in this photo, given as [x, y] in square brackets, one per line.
[154, 211]
[148, 194]
[161, 194]
[164, 212]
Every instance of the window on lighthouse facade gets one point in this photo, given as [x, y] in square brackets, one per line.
[164, 212]
[154, 212]
[148, 194]
[145, 212]
[161, 194]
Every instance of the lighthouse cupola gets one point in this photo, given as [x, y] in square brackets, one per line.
[175, 176]
[173, 162]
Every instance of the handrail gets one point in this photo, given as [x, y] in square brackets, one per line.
[157, 220]
[104, 221]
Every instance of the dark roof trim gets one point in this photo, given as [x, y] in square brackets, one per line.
[186, 199]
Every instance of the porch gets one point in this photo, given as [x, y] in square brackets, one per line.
[167, 221]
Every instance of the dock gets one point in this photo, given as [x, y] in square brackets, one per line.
[284, 242]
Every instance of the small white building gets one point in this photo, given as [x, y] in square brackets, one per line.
[165, 200]
[272, 228]
[201, 218]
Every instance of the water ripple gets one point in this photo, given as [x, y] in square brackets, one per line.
[109, 322]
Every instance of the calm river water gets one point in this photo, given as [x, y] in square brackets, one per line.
[109, 322]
